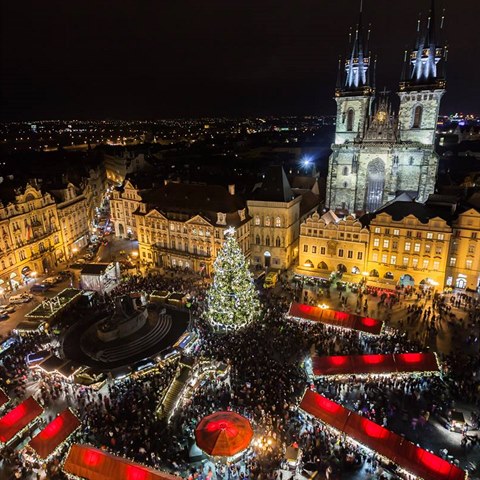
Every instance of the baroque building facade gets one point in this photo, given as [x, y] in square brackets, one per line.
[330, 244]
[379, 153]
[30, 236]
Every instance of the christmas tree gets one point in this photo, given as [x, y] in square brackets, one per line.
[232, 300]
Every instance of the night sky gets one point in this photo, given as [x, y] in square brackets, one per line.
[155, 59]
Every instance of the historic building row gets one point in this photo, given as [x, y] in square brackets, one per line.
[181, 225]
[404, 243]
[41, 226]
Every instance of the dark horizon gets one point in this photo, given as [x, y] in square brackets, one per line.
[145, 60]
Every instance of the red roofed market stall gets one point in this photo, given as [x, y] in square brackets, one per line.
[375, 364]
[17, 419]
[223, 434]
[388, 444]
[54, 434]
[335, 318]
[91, 463]
[3, 398]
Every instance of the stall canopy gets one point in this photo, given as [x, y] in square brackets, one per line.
[336, 318]
[3, 398]
[54, 434]
[375, 364]
[403, 453]
[93, 464]
[17, 419]
[223, 434]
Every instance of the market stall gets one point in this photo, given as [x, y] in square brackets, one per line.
[334, 317]
[375, 364]
[389, 445]
[54, 434]
[223, 434]
[18, 419]
[84, 461]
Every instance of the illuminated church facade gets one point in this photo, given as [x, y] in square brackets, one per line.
[379, 153]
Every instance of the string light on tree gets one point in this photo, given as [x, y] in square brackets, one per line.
[232, 300]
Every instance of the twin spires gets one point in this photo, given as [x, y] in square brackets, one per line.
[357, 63]
[423, 67]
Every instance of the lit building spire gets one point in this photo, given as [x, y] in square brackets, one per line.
[358, 62]
[426, 57]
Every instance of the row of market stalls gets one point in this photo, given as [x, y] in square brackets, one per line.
[378, 364]
[25, 418]
[335, 318]
[391, 447]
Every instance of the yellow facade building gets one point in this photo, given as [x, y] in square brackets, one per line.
[30, 240]
[277, 212]
[329, 244]
[409, 244]
[463, 268]
[182, 225]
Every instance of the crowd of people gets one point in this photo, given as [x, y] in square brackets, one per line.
[265, 382]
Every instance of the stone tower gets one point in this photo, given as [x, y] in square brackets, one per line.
[378, 153]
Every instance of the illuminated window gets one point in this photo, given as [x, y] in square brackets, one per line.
[415, 262]
[278, 222]
[376, 242]
[407, 246]
[425, 264]
[386, 243]
[441, 236]
[393, 259]
[468, 264]
[453, 261]
[436, 266]
[257, 220]
[417, 247]
[314, 249]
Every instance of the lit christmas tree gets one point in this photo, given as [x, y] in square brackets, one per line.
[232, 300]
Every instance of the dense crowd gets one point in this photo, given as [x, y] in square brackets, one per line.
[265, 382]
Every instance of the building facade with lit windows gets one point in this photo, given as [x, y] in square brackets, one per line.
[277, 211]
[124, 202]
[30, 236]
[182, 225]
[409, 244]
[329, 244]
[73, 212]
[463, 268]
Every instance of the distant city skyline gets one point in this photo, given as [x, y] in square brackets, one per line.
[151, 60]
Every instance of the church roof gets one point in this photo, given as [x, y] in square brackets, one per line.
[399, 209]
[275, 187]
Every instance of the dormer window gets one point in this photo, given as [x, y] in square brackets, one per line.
[221, 218]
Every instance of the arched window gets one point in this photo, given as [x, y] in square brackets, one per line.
[267, 221]
[278, 222]
[257, 220]
[417, 116]
[257, 239]
[277, 242]
[267, 241]
[345, 170]
[350, 119]
[375, 185]
[323, 266]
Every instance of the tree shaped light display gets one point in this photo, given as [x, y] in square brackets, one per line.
[232, 299]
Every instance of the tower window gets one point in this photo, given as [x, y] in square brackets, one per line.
[345, 170]
[350, 119]
[417, 116]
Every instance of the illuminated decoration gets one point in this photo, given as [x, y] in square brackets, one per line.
[84, 461]
[53, 306]
[54, 434]
[405, 363]
[16, 420]
[335, 318]
[232, 300]
[223, 434]
[389, 445]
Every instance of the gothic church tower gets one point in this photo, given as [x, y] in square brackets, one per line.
[378, 153]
